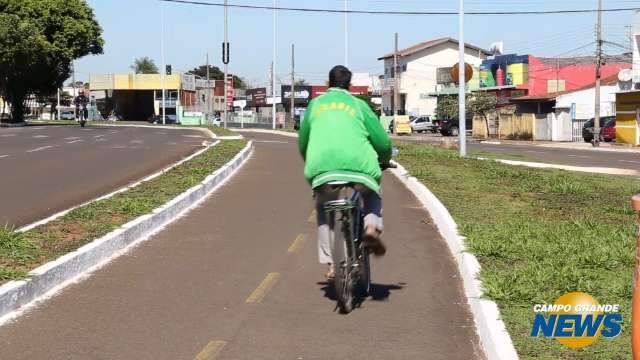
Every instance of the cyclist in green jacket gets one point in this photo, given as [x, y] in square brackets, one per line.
[341, 139]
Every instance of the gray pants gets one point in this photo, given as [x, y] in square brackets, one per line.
[372, 217]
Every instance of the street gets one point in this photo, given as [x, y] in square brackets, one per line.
[238, 278]
[540, 153]
[48, 169]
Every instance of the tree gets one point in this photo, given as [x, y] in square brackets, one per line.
[216, 74]
[38, 41]
[482, 103]
[144, 65]
[479, 103]
[301, 82]
[447, 107]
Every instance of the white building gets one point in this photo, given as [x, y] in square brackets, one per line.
[418, 67]
[574, 108]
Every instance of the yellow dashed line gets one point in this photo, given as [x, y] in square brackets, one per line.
[261, 291]
[312, 217]
[297, 244]
[211, 351]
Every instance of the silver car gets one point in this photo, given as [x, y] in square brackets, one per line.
[422, 124]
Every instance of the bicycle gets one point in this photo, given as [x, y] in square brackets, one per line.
[350, 257]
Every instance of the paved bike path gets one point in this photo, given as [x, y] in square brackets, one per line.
[184, 293]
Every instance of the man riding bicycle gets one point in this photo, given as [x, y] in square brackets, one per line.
[341, 139]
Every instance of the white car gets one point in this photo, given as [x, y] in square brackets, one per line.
[422, 124]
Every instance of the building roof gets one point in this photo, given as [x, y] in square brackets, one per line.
[429, 44]
[608, 81]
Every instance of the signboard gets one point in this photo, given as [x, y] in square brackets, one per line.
[188, 82]
[240, 103]
[204, 84]
[229, 91]
[443, 75]
[302, 94]
[257, 97]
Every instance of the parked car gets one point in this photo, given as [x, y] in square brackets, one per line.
[169, 119]
[67, 115]
[451, 127]
[607, 129]
[214, 120]
[422, 124]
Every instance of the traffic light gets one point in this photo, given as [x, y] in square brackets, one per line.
[168, 70]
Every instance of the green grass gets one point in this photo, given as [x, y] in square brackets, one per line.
[22, 252]
[539, 234]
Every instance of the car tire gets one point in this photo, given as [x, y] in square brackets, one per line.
[455, 131]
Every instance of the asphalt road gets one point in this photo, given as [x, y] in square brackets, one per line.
[49, 169]
[536, 153]
[238, 278]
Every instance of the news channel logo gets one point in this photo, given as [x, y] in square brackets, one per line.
[577, 320]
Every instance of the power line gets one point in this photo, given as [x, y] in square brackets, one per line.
[376, 12]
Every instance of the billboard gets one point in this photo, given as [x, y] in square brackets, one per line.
[257, 97]
[302, 96]
[230, 91]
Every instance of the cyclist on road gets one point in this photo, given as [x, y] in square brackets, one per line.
[341, 139]
[81, 102]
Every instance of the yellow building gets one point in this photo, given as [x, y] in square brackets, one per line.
[138, 97]
[628, 118]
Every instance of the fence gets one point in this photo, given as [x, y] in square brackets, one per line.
[576, 130]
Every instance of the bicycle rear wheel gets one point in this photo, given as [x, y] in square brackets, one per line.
[365, 272]
[343, 281]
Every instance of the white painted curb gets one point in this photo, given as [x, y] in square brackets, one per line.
[266, 131]
[46, 280]
[586, 169]
[494, 337]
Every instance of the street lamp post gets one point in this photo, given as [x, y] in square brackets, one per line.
[273, 72]
[462, 114]
[346, 34]
[164, 67]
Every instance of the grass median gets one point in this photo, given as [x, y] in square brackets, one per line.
[539, 234]
[22, 252]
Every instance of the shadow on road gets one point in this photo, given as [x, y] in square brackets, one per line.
[377, 292]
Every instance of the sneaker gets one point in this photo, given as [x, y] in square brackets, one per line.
[331, 273]
[372, 241]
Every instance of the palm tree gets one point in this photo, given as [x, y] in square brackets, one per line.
[144, 65]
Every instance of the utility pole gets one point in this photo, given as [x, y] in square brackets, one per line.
[164, 67]
[596, 120]
[396, 84]
[225, 60]
[273, 68]
[462, 113]
[208, 91]
[73, 86]
[346, 34]
[58, 107]
[293, 85]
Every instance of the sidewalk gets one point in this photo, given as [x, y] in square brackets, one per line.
[238, 277]
[564, 145]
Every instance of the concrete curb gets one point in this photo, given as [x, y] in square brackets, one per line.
[48, 279]
[494, 337]
[584, 169]
[276, 132]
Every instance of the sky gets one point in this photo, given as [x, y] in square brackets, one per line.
[132, 29]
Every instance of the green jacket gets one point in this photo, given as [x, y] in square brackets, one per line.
[341, 139]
